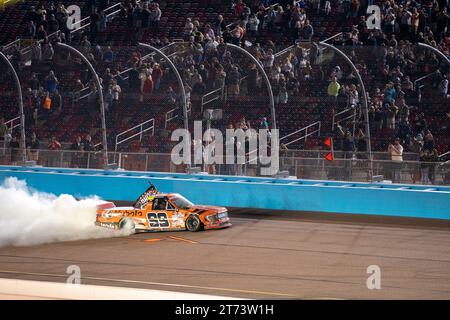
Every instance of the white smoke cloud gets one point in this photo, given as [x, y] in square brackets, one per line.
[29, 217]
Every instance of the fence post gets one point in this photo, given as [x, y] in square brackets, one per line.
[100, 95]
[365, 104]
[22, 114]
[88, 160]
[180, 82]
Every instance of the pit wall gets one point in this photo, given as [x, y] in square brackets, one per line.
[246, 192]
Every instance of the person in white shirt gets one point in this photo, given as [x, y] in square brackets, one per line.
[269, 59]
[396, 151]
[252, 25]
[116, 90]
[443, 86]
[188, 28]
[327, 7]
[353, 96]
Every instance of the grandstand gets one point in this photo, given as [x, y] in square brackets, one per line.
[407, 85]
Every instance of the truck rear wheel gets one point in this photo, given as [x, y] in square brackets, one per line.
[127, 226]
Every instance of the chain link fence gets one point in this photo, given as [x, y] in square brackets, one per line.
[302, 164]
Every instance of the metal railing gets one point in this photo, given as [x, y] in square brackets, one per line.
[443, 155]
[284, 51]
[212, 96]
[148, 125]
[261, 22]
[332, 37]
[170, 115]
[417, 81]
[115, 8]
[11, 123]
[344, 115]
[173, 114]
[313, 129]
[85, 22]
[86, 91]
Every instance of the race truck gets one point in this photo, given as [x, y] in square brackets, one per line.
[155, 211]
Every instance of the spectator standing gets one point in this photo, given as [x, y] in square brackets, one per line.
[253, 25]
[252, 82]
[233, 81]
[307, 31]
[51, 82]
[155, 17]
[219, 25]
[199, 88]
[415, 146]
[109, 56]
[157, 74]
[333, 90]
[238, 34]
[57, 102]
[348, 147]
[33, 147]
[31, 29]
[53, 24]
[361, 142]
[53, 145]
[47, 52]
[428, 142]
[434, 158]
[239, 9]
[85, 45]
[78, 155]
[34, 84]
[14, 145]
[425, 159]
[188, 28]
[209, 33]
[108, 98]
[327, 8]
[396, 152]
[116, 91]
[269, 59]
[353, 96]
[390, 115]
[41, 34]
[148, 86]
[443, 86]
[36, 53]
[3, 131]
[87, 143]
[145, 16]
[102, 22]
[283, 93]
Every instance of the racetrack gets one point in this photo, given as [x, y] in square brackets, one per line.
[264, 255]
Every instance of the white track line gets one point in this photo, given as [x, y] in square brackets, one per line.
[13, 288]
[173, 285]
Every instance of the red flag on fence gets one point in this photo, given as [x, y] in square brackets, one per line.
[329, 156]
[328, 142]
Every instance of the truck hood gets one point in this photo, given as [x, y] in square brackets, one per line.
[201, 209]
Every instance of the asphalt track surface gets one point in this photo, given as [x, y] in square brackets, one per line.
[265, 255]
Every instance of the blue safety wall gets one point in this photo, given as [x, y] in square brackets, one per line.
[246, 192]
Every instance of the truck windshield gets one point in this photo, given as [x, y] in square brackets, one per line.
[181, 202]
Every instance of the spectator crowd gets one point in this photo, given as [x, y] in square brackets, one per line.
[388, 60]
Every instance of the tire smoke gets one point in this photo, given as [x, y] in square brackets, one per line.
[29, 217]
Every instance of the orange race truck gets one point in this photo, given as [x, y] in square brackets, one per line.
[155, 211]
